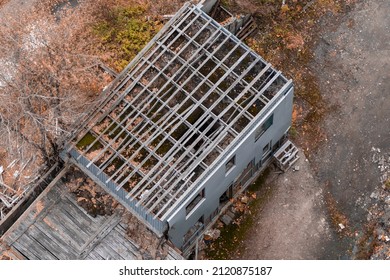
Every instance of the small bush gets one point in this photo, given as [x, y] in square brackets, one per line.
[387, 184]
[124, 31]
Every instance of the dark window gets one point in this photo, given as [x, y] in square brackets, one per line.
[195, 202]
[266, 148]
[226, 195]
[263, 128]
[193, 232]
[230, 164]
[267, 151]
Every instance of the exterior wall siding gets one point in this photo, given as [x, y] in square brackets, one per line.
[219, 181]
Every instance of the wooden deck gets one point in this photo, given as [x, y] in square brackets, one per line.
[56, 227]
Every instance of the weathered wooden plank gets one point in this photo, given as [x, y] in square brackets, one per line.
[94, 256]
[10, 252]
[37, 210]
[98, 219]
[107, 252]
[121, 246]
[89, 223]
[170, 257]
[126, 242]
[59, 249]
[66, 242]
[17, 211]
[72, 237]
[121, 229]
[68, 226]
[173, 254]
[100, 234]
[123, 233]
[91, 257]
[78, 220]
[24, 251]
[123, 225]
[32, 246]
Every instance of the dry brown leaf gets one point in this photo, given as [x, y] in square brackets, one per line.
[79, 199]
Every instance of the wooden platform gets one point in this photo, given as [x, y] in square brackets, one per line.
[56, 227]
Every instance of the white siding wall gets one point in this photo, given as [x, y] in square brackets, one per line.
[219, 181]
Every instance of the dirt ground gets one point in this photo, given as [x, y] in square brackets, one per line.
[352, 64]
[292, 224]
[355, 72]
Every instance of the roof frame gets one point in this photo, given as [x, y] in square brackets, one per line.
[176, 110]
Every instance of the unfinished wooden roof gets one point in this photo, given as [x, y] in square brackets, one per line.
[174, 112]
[55, 226]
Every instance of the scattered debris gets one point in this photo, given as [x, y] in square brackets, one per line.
[245, 199]
[338, 218]
[226, 219]
[211, 235]
[374, 195]
[90, 196]
[12, 163]
[379, 213]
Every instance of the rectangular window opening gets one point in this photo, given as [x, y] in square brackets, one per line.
[227, 195]
[267, 149]
[230, 164]
[264, 127]
[191, 206]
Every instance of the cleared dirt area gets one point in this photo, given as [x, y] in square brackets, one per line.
[292, 224]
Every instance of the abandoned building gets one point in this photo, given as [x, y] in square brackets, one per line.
[188, 124]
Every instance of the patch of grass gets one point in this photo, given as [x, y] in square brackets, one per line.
[293, 132]
[226, 3]
[387, 184]
[124, 31]
[87, 140]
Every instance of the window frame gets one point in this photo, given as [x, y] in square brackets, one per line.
[232, 163]
[264, 127]
[195, 203]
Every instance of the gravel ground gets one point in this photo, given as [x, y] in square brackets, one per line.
[354, 60]
[355, 71]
